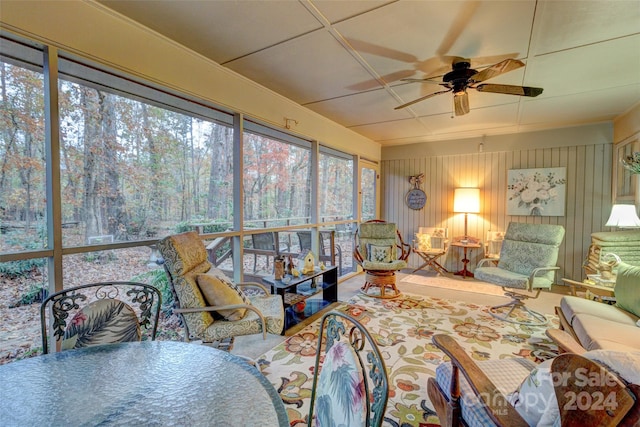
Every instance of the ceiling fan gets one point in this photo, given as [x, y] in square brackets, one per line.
[463, 77]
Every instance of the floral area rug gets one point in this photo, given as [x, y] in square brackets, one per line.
[403, 328]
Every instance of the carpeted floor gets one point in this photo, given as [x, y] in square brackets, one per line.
[403, 328]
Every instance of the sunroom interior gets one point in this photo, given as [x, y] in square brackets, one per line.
[131, 121]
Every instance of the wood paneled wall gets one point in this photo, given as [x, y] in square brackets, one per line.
[588, 196]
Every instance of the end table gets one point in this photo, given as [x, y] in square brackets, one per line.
[466, 245]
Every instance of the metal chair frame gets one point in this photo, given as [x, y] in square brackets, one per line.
[336, 326]
[66, 302]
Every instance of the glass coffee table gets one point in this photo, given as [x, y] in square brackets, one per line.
[296, 293]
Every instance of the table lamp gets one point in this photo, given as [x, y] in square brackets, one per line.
[623, 216]
[466, 200]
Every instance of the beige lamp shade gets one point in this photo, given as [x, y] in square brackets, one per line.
[466, 200]
[623, 216]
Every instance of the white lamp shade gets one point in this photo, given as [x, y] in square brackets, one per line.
[623, 216]
[466, 200]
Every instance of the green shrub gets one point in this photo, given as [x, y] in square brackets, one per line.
[35, 294]
[21, 268]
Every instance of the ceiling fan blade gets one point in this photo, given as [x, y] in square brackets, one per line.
[421, 99]
[497, 69]
[510, 89]
[461, 103]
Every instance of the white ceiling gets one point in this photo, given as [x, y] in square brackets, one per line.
[344, 59]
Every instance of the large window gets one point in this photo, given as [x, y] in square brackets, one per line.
[135, 162]
[335, 185]
[138, 162]
[277, 178]
[22, 150]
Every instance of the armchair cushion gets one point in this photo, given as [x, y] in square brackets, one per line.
[391, 266]
[219, 292]
[104, 321]
[506, 374]
[271, 308]
[523, 257]
[627, 289]
[379, 254]
[502, 277]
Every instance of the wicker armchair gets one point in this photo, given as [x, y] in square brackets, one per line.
[380, 251]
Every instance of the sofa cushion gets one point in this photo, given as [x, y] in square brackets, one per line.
[595, 333]
[572, 306]
[627, 289]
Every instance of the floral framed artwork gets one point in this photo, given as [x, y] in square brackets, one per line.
[536, 192]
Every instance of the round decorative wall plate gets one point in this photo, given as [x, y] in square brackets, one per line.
[416, 198]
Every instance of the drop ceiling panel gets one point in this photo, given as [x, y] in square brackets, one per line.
[567, 24]
[580, 108]
[409, 129]
[363, 108]
[335, 11]
[597, 66]
[310, 68]
[478, 119]
[221, 30]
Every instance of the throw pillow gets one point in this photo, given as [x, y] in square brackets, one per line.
[217, 291]
[535, 399]
[379, 253]
[424, 241]
[627, 289]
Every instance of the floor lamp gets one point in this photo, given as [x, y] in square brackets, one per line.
[466, 200]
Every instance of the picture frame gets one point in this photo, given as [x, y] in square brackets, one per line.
[624, 183]
[537, 192]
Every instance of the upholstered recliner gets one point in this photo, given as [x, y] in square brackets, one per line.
[527, 262]
[195, 282]
[380, 251]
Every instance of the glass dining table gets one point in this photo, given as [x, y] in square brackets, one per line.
[161, 383]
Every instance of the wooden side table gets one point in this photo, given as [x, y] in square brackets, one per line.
[602, 292]
[465, 246]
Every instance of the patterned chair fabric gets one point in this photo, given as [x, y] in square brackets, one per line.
[351, 388]
[100, 313]
[380, 234]
[185, 256]
[527, 258]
